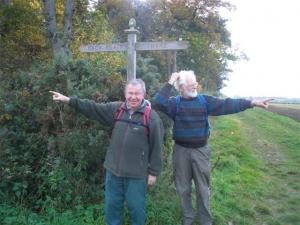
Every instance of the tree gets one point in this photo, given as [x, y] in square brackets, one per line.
[197, 21]
[21, 35]
[60, 40]
[118, 12]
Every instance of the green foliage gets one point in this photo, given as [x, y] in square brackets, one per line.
[21, 34]
[163, 204]
[118, 12]
[205, 60]
[93, 28]
[92, 215]
[49, 155]
[197, 22]
[148, 71]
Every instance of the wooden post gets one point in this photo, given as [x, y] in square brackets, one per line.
[174, 61]
[131, 52]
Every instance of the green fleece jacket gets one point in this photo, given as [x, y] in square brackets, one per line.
[132, 151]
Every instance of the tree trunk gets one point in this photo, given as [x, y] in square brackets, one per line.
[50, 17]
[68, 26]
[60, 43]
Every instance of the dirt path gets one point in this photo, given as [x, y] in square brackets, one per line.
[281, 198]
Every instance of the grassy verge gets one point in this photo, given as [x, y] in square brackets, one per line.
[257, 178]
[237, 182]
[276, 141]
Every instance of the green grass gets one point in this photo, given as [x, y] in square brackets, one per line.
[270, 144]
[12, 215]
[237, 181]
[275, 140]
[255, 180]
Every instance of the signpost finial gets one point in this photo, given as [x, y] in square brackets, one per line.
[132, 23]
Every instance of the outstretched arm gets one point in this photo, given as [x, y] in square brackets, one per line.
[102, 112]
[219, 106]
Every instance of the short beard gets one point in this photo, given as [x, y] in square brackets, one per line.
[192, 94]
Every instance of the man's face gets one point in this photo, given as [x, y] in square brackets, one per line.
[189, 89]
[134, 95]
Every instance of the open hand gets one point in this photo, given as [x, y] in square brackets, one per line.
[262, 104]
[174, 77]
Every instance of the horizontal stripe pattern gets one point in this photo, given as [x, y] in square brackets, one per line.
[191, 126]
[191, 132]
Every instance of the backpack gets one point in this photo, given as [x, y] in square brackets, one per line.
[144, 123]
[201, 100]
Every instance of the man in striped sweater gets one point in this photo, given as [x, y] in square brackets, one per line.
[191, 155]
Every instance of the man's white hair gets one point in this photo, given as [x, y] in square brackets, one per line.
[137, 82]
[184, 75]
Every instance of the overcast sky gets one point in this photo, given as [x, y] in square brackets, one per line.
[268, 31]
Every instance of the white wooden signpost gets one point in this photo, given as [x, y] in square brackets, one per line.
[131, 46]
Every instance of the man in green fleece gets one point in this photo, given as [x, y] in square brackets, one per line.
[134, 155]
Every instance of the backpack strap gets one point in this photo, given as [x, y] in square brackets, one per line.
[119, 112]
[146, 117]
[177, 99]
[203, 101]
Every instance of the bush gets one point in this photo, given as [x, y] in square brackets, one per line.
[50, 155]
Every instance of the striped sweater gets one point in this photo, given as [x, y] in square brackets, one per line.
[191, 126]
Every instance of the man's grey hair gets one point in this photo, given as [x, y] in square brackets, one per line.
[137, 82]
[184, 75]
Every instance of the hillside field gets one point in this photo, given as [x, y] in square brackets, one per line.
[290, 110]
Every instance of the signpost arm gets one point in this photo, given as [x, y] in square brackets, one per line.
[132, 46]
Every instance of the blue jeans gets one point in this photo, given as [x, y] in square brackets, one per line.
[119, 190]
